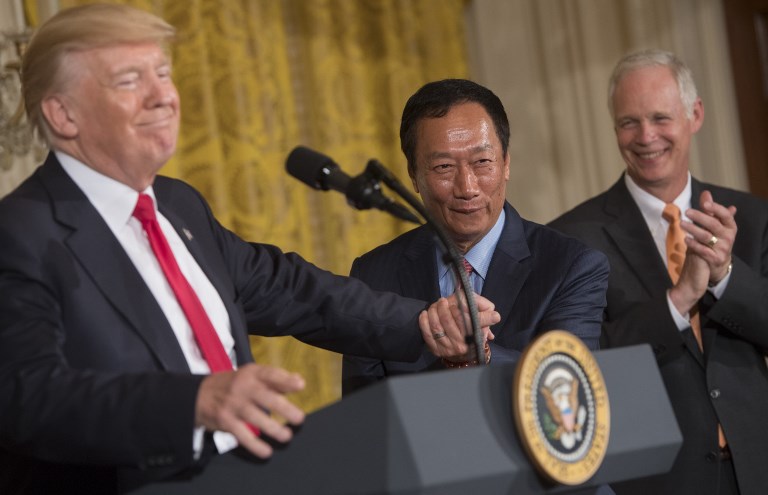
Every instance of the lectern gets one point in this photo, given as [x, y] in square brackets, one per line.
[447, 432]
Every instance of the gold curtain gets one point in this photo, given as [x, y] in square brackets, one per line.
[258, 78]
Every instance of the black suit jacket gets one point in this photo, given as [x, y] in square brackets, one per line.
[538, 279]
[729, 382]
[95, 392]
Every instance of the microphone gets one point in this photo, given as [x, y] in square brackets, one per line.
[363, 192]
[320, 172]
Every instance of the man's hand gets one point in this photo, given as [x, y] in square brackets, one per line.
[445, 325]
[713, 233]
[231, 401]
[692, 283]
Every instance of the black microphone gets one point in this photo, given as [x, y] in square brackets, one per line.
[320, 172]
[362, 192]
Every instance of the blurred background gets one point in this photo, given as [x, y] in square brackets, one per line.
[259, 77]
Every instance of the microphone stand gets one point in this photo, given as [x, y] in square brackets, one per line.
[377, 172]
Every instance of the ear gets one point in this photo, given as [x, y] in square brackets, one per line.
[412, 175]
[697, 119]
[506, 166]
[59, 117]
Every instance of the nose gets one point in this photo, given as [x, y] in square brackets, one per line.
[647, 132]
[161, 91]
[465, 183]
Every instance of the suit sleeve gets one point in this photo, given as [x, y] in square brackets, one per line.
[628, 319]
[55, 411]
[580, 301]
[743, 307]
[282, 294]
[356, 371]
[742, 310]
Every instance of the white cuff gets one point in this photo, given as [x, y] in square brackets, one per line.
[681, 321]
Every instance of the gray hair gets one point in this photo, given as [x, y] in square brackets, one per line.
[656, 58]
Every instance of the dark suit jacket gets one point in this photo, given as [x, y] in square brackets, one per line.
[538, 279]
[94, 389]
[729, 382]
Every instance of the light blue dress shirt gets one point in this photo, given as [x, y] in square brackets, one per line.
[479, 257]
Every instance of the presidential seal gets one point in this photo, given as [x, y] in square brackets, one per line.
[561, 409]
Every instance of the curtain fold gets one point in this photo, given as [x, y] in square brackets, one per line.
[257, 78]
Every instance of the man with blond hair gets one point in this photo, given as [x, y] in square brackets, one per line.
[125, 306]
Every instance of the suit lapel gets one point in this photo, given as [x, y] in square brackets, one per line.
[417, 272]
[110, 268]
[509, 268]
[628, 231]
[634, 241]
[189, 235]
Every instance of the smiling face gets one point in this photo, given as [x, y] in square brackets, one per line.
[653, 131]
[461, 172]
[118, 111]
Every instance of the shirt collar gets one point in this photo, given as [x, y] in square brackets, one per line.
[481, 253]
[113, 200]
[652, 207]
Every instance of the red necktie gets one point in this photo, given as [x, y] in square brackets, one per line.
[468, 269]
[207, 339]
[467, 266]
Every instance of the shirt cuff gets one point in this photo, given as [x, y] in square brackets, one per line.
[718, 289]
[681, 321]
[197, 442]
[224, 441]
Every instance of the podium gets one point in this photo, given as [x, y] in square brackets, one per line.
[446, 432]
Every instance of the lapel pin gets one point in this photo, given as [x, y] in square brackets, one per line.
[187, 233]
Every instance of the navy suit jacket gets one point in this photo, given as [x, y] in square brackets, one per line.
[94, 389]
[538, 279]
[729, 381]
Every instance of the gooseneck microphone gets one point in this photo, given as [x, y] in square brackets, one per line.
[362, 192]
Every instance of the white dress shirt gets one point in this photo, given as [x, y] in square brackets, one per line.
[652, 207]
[115, 203]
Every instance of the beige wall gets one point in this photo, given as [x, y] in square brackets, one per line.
[549, 62]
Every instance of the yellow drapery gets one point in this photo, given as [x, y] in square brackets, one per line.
[257, 78]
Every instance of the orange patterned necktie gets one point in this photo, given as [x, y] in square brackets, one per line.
[675, 241]
[675, 259]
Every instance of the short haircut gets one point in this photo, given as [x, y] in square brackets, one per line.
[656, 58]
[435, 99]
[80, 28]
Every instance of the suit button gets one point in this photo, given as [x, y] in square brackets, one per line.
[711, 456]
[714, 393]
